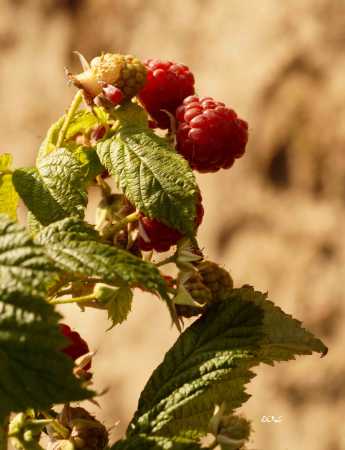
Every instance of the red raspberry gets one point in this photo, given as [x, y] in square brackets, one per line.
[168, 83]
[209, 135]
[77, 347]
[154, 235]
[113, 94]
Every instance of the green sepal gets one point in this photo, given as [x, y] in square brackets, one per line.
[117, 301]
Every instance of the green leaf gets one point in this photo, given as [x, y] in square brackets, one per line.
[8, 195]
[75, 247]
[23, 263]
[211, 361]
[117, 300]
[49, 143]
[5, 162]
[143, 442]
[37, 197]
[64, 176]
[34, 372]
[83, 121]
[157, 180]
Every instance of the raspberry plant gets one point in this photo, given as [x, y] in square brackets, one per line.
[154, 206]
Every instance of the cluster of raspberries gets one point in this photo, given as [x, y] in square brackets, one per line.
[209, 135]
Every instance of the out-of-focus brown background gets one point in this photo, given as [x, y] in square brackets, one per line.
[276, 219]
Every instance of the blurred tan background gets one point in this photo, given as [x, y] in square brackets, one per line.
[276, 219]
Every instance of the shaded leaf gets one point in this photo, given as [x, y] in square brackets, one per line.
[34, 372]
[23, 263]
[75, 247]
[37, 197]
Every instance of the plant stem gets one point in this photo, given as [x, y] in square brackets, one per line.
[165, 261]
[41, 422]
[104, 187]
[82, 299]
[133, 217]
[4, 434]
[58, 427]
[69, 116]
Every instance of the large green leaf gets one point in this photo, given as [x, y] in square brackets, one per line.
[75, 247]
[34, 373]
[64, 176]
[157, 180]
[8, 195]
[37, 197]
[211, 361]
[22, 262]
[143, 442]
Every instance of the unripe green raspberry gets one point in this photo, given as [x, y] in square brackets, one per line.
[198, 290]
[123, 71]
[132, 76]
[217, 279]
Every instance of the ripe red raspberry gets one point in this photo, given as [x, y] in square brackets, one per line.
[209, 135]
[168, 83]
[154, 235]
[77, 347]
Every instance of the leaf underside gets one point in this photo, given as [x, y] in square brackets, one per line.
[75, 247]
